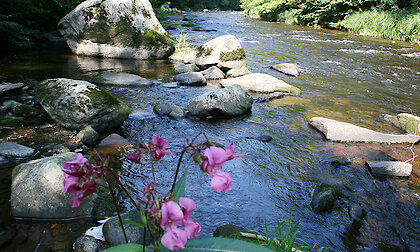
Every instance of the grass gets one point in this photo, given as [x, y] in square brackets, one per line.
[396, 25]
[181, 41]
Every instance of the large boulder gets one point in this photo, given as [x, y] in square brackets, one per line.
[346, 132]
[225, 52]
[37, 190]
[408, 122]
[75, 104]
[116, 29]
[261, 83]
[122, 79]
[224, 102]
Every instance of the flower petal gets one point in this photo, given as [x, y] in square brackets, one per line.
[221, 182]
[174, 239]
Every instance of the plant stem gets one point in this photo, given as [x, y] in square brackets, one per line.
[117, 208]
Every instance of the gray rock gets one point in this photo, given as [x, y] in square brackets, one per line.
[346, 132]
[184, 54]
[11, 104]
[225, 102]
[37, 190]
[14, 150]
[87, 244]
[324, 197]
[262, 138]
[75, 104]
[261, 83]
[6, 87]
[122, 79]
[356, 213]
[114, 139]
[229, 231]
[213, 73]
[191, 79]
[408, 122]
[169, 109]
[270, 97]
[26, 111]
[287, 68]
[390, 168]
[88, 136]
[116, 29]
[237, 72]
[113, 232]
[186, 68]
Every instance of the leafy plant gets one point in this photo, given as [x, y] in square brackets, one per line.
[181, 41]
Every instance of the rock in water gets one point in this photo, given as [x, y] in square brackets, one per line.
[224, 102]
[408, 122]
[6, 87]
[75, 104]
[88, 136]
[37, 190]
[346, 132]
[287, 68]
[186, 68]
[324, 197]
[262, 83]
[122, 79]
[14, 150]
[191, 79]
[390, 168]
[213, 73]
[116, 29]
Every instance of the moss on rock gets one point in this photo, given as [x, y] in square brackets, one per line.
[12, 122]
[237, 54]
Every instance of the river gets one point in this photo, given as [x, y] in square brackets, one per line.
[344, 77]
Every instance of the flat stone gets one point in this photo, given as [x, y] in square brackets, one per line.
[287, 68]
[347, 132]
[261, 83]
[390, 168]
[238, 72]
[6, 87]
[213, 73]
[170, 85]
[114, 139]
[123, 79]
[14, 150]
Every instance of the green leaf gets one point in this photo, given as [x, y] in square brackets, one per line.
[222, 244]
[179, 188]
[133, 223]
[126, 247]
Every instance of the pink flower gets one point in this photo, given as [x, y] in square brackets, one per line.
[172, 216]
[192, 228]
[159, 148]
[216, 157]
[74, 167]
[188, 206]
[133, 157]
[174, 239]
[78, 186]
[221, 182]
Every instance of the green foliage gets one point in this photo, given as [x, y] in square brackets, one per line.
[179, 188]
[220, 244]
[396, 24]
[126, 247]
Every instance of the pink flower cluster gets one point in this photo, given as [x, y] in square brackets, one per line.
[212, 166]
[80, 178]
[157, 146]
[172, 217]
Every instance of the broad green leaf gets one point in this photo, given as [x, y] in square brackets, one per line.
[133, 223]
[222, 244]
[179, 188]
[126, 247]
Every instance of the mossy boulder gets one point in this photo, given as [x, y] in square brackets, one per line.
[324, 197]
[405, 121]
[12, 122]
[116, 29]
[75, 104]
[26, 111]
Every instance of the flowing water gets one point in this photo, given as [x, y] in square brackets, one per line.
[345, 77]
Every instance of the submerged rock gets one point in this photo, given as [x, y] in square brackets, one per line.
[113, 140]
[116, 29]
[14, 150]
[191, 79]
[287, 68]
[224, 102]
[75, 104]
[269, 97]
[263, 83]
[346, 132]
[123, 79]
[356, 213]
[390, 168]
[37, 190]
[408, 122]
[87, 244]
[113, 232]
[324, 197]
